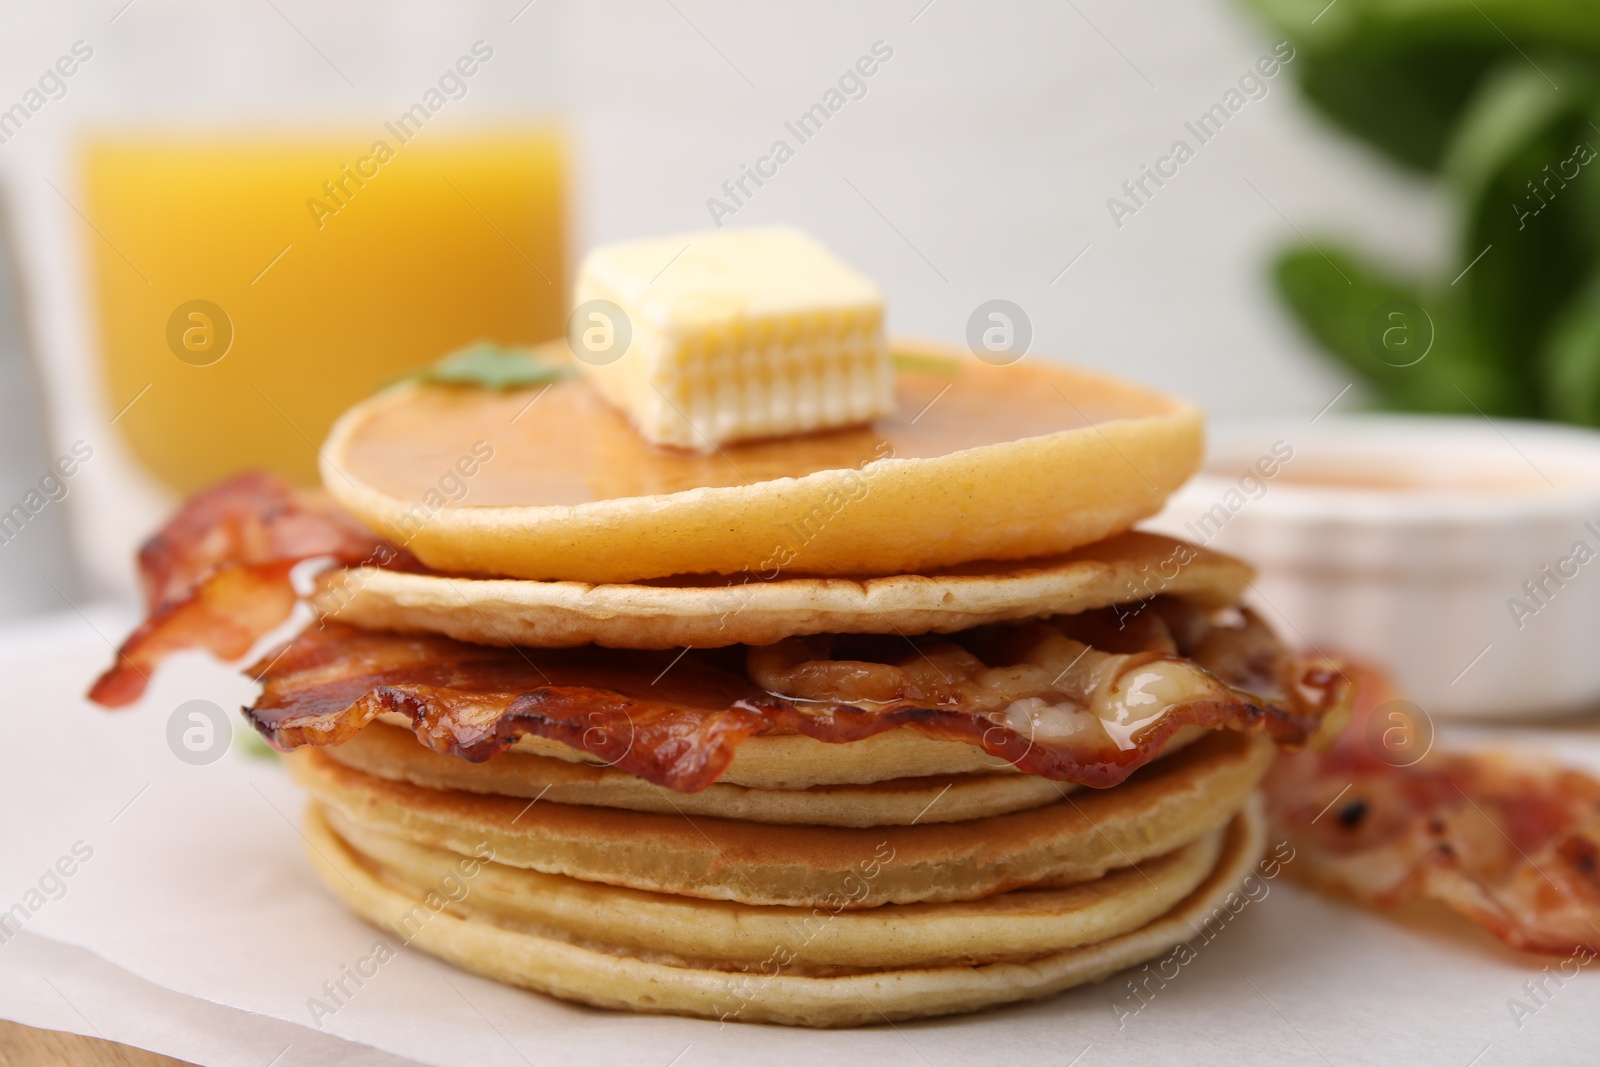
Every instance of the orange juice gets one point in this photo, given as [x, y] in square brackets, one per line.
[249, 290]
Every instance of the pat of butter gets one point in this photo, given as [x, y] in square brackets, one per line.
[732, 335]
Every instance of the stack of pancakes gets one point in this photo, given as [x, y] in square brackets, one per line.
[883, 723]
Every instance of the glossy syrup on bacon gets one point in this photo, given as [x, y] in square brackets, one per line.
[1030, 695]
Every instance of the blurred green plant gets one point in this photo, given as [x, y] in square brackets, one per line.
[1500, 99]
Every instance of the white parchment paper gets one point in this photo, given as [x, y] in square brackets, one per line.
[197, 885]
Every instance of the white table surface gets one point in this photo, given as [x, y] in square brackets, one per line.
[197, 930]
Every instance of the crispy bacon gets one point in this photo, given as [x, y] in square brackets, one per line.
[217, 576]
[676, 719]
[1512, 842]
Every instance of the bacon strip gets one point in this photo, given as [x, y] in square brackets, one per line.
[217, 576]
[676, 720]
[1511, 842]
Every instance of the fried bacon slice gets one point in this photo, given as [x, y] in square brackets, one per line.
[217, 577]
[1032, 695]
[1510, 841]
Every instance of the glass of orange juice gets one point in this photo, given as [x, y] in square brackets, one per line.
[250, 288]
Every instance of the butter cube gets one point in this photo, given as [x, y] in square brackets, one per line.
[732, 335]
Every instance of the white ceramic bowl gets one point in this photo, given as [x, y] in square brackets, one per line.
[1463, 555]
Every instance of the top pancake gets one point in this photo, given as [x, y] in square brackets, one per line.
[978, 462]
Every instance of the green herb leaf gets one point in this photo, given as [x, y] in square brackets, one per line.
[1403, 99]
[1571, 359]
[1414, 348]
[1518, 165]
[489, 366]
[926, 363]
[1399, 73]
[252, 745]
[1501, 98]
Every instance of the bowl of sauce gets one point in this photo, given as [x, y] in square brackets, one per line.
[1462, 555]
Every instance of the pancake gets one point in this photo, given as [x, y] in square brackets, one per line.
[885, 800]
[1161, 807]
[794, 761]
[621, 981]
[392, 753]
[715, 612]
[978, 462]
[728, 936]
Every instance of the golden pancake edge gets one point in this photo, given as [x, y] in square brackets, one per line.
[1165, 804]
[501, 947]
